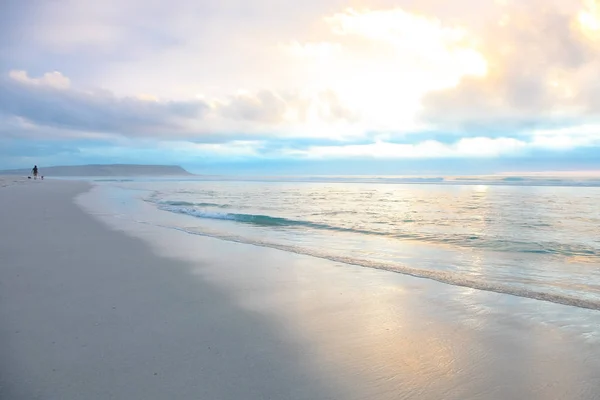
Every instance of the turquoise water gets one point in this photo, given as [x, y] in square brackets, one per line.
[536, 239]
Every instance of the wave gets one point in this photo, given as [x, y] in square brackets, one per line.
[190, 204]
[496, 180]
[113, 180]
[255, 219]
[461, 240]
[447, 277]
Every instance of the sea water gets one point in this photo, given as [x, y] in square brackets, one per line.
[535, 238]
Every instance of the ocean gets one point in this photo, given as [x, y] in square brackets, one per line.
[537, 238]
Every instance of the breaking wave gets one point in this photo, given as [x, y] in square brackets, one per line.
[462, 240]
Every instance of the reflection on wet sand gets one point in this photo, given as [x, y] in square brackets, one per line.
[386, 336]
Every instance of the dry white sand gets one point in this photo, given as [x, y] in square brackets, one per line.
[88, 312]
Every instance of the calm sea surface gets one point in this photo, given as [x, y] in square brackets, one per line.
[537, 239]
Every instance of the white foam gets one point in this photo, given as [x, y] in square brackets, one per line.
[451, 278]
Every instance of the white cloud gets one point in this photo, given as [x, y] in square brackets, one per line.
[51, 79]
[470, 147]
[314, 70]
[543, 63]
[52, 101]
[235, 148]
[567, 138]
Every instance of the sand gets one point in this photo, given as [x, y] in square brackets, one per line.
[11, 180]
[98, 307]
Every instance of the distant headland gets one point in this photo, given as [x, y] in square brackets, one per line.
[104, 170]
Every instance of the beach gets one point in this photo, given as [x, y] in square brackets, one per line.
[97, 305]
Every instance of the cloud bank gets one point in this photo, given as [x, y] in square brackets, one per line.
[321, 80]
[542, 65]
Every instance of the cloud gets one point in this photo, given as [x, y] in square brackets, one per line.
[53, 79]
[381, 62]
[378, 60]
[569, 138]
[286, 108]
[384, 79]
[550, 143]
[50, 101]
[127, 45]
[540, 62]
[479, 147]
[49, 107]
[265, 106]
[324, 72]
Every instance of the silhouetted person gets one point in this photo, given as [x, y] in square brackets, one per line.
[35, 171]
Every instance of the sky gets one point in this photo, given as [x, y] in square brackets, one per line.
[317, 86]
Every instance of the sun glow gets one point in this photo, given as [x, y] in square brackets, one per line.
[589, 17]
[416, 41]
[380, 63]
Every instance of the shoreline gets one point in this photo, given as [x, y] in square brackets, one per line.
[120, 309]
